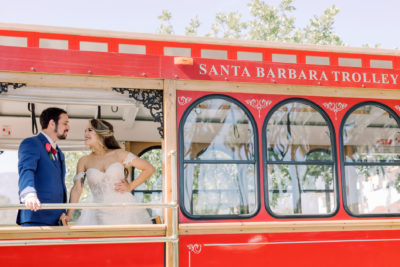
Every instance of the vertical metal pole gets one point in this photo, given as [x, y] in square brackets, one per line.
[174, 209]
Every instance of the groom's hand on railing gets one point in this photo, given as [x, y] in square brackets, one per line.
[64, 219]
[32, 202]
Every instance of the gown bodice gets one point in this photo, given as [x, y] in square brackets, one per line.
[101, 185]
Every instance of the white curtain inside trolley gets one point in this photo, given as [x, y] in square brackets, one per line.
[131, 120]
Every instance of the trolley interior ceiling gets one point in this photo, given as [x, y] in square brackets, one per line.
[132, 121]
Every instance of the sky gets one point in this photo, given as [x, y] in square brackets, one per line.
[358, 22]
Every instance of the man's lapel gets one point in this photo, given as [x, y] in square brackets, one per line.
[61, 157]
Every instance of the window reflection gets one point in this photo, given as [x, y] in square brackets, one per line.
[218, 125]
[294, 130]
[301, 189]
[373, 189]
[371, 134]
[371, 151]
[220, 189]
[219, 160]
[300, 166]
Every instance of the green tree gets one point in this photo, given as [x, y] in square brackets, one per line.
[71, 160]
[154, 156]
[267, 23]
[166, 26]
[270, 23]
[193, 26]
[320, 30]
[228, 26]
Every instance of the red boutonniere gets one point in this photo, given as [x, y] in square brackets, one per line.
[52, 152]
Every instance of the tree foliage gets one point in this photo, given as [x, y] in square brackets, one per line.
[71, 160]
[270, 23]
[228, 25]
[194, 24]
[267, 22]
[166, 26]
[154, 156]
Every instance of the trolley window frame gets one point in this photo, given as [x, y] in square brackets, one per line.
[343, 164]
[182, 161]
[266, 162]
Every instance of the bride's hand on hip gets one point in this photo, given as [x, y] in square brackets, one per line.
[122, 187]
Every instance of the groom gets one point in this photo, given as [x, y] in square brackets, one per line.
[41, 169]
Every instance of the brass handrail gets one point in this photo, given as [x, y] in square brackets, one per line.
[49, 206]
[83, 241]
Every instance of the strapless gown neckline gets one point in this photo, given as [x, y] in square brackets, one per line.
[105, 171]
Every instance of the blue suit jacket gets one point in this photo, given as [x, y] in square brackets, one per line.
[36, 169]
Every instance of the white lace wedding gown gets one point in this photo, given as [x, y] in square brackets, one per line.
[101, 186]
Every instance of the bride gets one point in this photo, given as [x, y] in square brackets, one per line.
[104, 170]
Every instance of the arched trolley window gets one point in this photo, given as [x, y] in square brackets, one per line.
[370, 151]
[299, 161]
[151, 190]
[218, 160]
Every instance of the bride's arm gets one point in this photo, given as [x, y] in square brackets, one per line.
[136, 162]
[77, 188]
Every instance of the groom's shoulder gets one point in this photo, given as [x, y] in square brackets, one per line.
[31, 141]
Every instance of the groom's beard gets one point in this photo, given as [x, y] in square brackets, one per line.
[61, 136]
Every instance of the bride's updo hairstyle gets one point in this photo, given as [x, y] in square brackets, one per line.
[105, 132]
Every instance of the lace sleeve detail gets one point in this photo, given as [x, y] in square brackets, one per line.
[129, 158]
[80, 176]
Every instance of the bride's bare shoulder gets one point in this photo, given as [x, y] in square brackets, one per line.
[84, 160]
[121, 154]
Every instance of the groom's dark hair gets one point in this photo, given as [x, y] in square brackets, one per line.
[50, 114]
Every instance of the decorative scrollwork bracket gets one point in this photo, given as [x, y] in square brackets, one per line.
[4, 86]
[335, 107]
[152, 100]
[195, 248]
